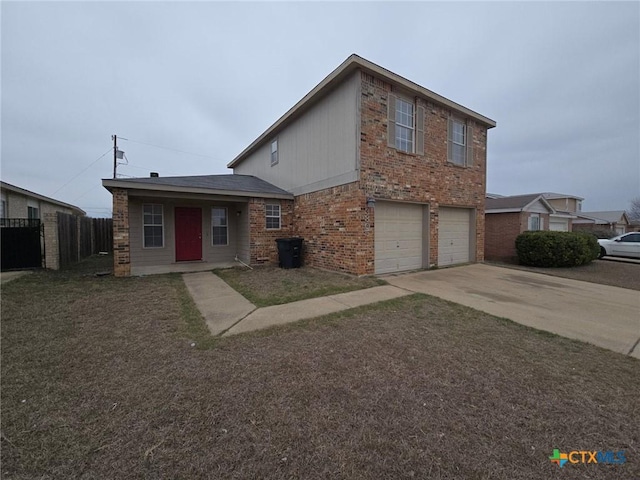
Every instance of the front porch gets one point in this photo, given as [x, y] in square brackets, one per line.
[193, 224]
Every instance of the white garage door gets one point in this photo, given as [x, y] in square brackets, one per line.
[559, 225]
[453, 236]
[398, 237]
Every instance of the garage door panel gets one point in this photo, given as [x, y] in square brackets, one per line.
[559, 225]
[454, 228]
[398, 237]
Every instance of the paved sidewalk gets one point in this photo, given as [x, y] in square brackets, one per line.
[314, 307]
[229, 313]
[220, 305]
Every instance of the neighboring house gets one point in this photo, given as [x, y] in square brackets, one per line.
[614, 221]
[566, 207]
[376, 173]
[21, 208]
[16, 202]
[507, 217]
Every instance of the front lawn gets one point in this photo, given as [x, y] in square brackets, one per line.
[267, 285]
[99, 380]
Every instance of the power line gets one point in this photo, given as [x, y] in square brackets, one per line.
[169, 148]
[82, 171]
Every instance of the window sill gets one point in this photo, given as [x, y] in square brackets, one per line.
[456, 165]
[409, 154]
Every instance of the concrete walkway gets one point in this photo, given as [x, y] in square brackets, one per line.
[314, 307]
[8, 276]
[226, 312]
[600, 314]
[220, 305]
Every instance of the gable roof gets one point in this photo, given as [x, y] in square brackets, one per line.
[350, 65]
[612, 216]
[515, 203]
[229, 184]
[553, 196]
[29, 193]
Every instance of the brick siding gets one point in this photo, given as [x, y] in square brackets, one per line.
[337, 229]
[262, 242]
[386, 173]
[502, 230]
[121, 252]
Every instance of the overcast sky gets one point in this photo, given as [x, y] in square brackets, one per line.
[562, 80]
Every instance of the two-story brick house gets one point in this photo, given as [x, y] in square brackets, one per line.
[375, 172]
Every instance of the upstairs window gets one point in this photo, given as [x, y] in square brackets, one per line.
[404, 126]
[405, 123]
[460, 143]
[272, 216]
[153, 226]
[274, 152]
[33, 209]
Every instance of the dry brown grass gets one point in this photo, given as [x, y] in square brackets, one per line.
[412, 388]
[268, 285]
[605, 272]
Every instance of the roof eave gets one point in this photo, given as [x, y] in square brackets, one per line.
[29, 193]
[109, 184]
[351, 64]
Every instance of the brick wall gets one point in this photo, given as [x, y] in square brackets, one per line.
[387, 173]
[502, 230]
[121, 253]
[500, 237]
[51, 246]
[337, 229]
[262, 244]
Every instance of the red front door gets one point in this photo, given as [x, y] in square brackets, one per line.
[188, 234]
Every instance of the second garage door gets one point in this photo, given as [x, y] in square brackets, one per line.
[559, 225]
[398, 237]
[454, 233]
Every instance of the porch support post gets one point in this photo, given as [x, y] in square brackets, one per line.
[121, 251]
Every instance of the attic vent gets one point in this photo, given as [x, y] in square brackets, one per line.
[154, 175]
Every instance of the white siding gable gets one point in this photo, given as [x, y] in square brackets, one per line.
[317, 150]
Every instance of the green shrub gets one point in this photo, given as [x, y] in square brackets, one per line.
[556, 249]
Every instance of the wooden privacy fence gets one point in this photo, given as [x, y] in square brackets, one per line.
[80, 237]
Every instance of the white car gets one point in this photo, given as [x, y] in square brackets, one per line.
[626, 245]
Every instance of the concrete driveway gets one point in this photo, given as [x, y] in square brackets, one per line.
[605, 316]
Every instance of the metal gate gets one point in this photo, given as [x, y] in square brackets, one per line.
[22, 243]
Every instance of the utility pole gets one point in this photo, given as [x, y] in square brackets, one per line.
[115, 149]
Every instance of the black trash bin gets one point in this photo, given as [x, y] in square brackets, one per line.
[289, 252]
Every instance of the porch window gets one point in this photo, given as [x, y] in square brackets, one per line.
[273, 216]
[220, 226]
[153, 225]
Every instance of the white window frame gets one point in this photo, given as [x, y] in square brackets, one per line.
[33, 209]
[274, 152]
[225, 226]
[458, 144]
[3, 206]
[401, 115]
[144, 224]
[538, 219]
[271, 215]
